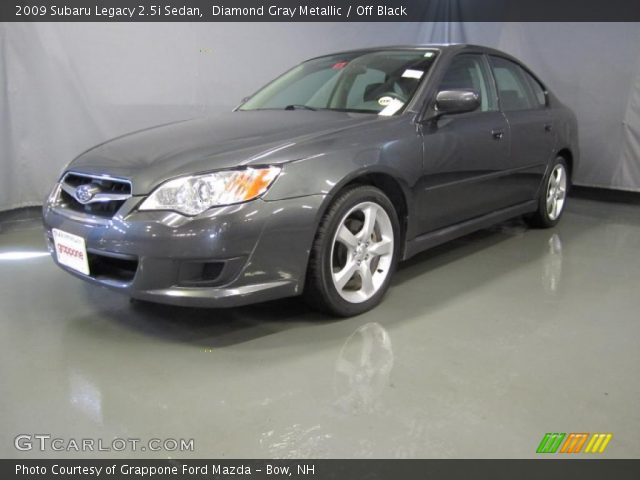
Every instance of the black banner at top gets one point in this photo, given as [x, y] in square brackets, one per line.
[320, 11]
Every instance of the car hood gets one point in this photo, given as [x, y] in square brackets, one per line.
[151, 156]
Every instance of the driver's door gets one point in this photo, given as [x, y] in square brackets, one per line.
[465, 155]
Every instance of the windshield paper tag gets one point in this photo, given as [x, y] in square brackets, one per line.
[392, 107]
[413, 74]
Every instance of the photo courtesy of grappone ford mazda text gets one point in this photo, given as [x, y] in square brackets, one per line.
[319, 183]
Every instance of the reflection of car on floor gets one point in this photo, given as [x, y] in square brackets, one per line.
[320, 182]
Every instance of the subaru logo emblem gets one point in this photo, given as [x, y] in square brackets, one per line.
[85, 193]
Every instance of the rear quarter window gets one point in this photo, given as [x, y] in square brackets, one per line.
[514, 87]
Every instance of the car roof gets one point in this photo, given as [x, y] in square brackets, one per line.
[426, 46]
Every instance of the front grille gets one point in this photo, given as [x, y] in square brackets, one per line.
[109, 194]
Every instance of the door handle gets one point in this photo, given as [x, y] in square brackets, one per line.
[548, 127]
[497, 134]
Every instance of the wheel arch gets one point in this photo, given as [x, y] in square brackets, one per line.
[568, 157]
[391, 186]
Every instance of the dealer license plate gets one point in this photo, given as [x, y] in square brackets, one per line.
[71, 250]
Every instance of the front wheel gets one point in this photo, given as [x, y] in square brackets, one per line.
[354, 253]
[553, 196]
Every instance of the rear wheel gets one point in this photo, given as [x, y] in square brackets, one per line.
[354, 253]
[553, 196]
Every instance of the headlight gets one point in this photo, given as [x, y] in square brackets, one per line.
[194, 194]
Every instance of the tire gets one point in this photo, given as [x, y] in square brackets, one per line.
[358, 234]
[553, 196]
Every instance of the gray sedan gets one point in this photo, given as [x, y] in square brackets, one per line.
[320, 182]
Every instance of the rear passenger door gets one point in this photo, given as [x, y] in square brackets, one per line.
[523, 101]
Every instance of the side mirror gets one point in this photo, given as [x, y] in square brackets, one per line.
[457, 101]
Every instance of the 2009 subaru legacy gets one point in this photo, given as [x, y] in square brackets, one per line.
[320, 182]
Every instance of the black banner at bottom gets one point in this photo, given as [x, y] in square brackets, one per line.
[583, 469]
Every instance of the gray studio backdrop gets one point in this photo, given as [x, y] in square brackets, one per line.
[66, 87]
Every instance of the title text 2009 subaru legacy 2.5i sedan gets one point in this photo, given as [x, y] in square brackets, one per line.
[319, 183]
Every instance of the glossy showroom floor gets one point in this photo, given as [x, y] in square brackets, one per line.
[481, 347]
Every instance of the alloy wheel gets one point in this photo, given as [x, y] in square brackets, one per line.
[362, 252]
[556, 191]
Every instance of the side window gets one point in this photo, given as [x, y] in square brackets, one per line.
[469, 72]
[513, 88]
[536, 89]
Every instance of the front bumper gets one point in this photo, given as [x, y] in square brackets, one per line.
[227, 256]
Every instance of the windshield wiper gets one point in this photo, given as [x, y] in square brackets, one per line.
[303, 107]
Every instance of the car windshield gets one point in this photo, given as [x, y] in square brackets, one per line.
[381, 82]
